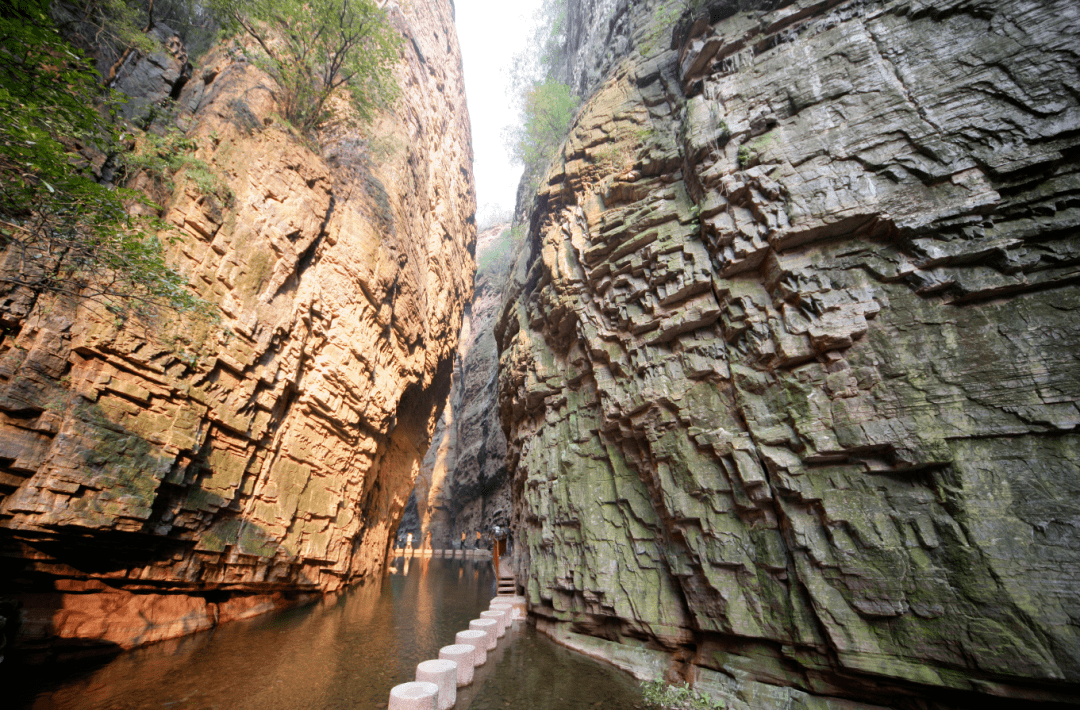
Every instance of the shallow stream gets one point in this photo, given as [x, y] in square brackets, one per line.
[344, 653]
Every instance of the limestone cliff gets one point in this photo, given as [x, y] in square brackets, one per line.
[156, 481]
[464, 486]
[790, 376]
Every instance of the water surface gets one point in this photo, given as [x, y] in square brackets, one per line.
[341, 653]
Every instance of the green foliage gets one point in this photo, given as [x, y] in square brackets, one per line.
[499, 256]
[107, 24]
[385, 148]
[540, 56]
[207, 181]
[549, 109]
[546, 106]
[662, 23]
[164, 155]
[316, 48]
[61, 230]
[161, 155]
[723, 132]
[749, 153]
[659, 29]
[618, 152]
[661, 696]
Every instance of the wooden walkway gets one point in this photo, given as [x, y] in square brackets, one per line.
[506, 585]
[448, 554]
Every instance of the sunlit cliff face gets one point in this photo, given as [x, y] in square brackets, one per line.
[174, 477]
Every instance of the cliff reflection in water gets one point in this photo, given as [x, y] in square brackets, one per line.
[342, 653]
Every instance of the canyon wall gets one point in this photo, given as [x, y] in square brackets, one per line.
[160, 478]
[789, 375]
[464, 486]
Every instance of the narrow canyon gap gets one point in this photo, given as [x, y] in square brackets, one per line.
[780, 396]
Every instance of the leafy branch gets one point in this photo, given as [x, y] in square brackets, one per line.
[62, 231]
[316, 48]
[548, 109]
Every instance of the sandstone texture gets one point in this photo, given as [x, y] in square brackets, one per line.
[790, 375]
[158, 479]
[464, 486]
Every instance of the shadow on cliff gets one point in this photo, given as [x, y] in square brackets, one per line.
[138, 553]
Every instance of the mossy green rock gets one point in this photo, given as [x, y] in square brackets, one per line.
[822, 320]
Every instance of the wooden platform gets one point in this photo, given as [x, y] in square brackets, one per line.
[506, 585]
[447, 554]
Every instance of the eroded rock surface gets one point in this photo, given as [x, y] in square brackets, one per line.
[157, 481]
[791, 376]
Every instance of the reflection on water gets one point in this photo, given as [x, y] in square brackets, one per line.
[342, 653]
[532, 672]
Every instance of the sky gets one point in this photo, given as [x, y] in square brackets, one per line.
[490, 33]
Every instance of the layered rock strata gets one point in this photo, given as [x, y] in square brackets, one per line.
[464, 486]
[790, 375]
[158, 479]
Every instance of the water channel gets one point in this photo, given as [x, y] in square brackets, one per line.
[344, 653]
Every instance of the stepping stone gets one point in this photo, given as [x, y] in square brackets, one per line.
[516, 603]
[491, 627]
[501, 616]
[465, 657]
[442, 673]
[477, 639]
[414, 696]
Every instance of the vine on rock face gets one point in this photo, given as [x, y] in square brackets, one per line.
[63, 228]
[315, 48]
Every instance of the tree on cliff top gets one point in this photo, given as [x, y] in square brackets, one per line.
[547, 106]
[314, 48]
[61, 230]
[547, 109]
